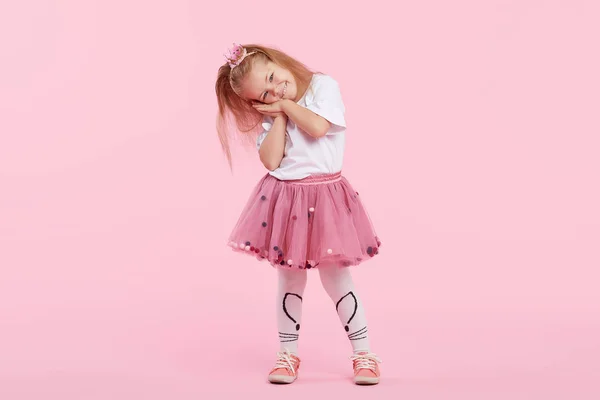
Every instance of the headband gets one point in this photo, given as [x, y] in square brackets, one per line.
[236, 55]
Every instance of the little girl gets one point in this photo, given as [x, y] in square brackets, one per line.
[303, 214]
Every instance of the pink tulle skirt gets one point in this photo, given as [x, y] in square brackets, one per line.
[305, 223]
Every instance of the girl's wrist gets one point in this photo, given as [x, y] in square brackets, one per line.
[285, 105]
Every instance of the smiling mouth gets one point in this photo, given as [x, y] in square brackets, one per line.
[283, 92]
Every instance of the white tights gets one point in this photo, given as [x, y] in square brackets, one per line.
[337, 282]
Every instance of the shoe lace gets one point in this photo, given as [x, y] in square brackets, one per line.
[285, 360]
[365, 361]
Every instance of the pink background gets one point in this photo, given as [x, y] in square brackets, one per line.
[473, 139]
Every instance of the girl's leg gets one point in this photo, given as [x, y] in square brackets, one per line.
[337, 282]
[291, 285]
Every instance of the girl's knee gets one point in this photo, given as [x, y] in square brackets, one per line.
[292, 277]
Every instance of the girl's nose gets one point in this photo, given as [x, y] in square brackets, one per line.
[273, 91]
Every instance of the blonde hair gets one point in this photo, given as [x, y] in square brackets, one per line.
[228, 88]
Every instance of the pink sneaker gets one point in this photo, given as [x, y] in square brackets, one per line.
[285, 369]
[366, 368]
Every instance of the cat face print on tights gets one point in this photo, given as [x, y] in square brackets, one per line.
[346, 308]
[287, 298]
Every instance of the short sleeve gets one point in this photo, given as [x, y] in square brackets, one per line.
[266, 124]
[326, 101]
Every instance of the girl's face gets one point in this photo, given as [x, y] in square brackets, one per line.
[267, 83]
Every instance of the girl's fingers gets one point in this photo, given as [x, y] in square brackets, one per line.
[269, 113]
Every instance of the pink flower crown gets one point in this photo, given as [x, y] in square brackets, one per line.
[236, 55]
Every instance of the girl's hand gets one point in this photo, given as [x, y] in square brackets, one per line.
[273, 110]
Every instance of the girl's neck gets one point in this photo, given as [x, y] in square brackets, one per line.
[302, 88]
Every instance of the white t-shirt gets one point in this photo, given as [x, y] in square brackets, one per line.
[305, 155]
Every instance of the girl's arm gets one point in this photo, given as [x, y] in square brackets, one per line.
[273, 146]
[313, 124]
